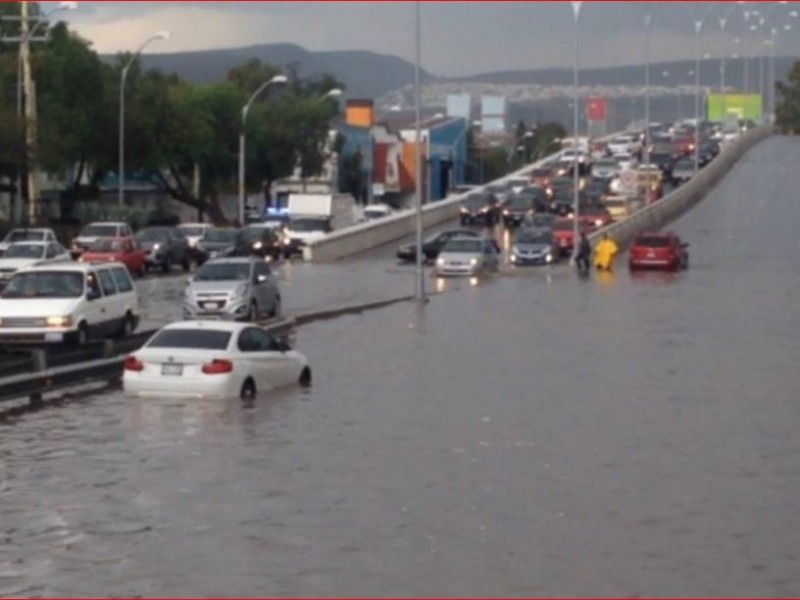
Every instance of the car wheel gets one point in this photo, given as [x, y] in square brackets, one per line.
[127, 327]
[248, 391]
[305, 377]
[252, 313]
[187, 264]
[167, 266]
[142, 271]
[276, 308]
[82, 337]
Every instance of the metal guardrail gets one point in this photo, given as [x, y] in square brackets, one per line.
[42, 372]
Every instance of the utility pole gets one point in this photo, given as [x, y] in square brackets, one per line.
[28, 86]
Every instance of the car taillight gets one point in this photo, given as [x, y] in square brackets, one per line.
[218, 367]
[133, 364]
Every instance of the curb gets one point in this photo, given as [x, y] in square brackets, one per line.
[347, 309]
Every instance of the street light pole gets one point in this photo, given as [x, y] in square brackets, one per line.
[648, 24]
[245, 110]
[576, 13]
[420, 287]
[698, 26]
[26, 111]
[160, 35]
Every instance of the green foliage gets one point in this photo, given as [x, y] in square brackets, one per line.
[171, 127]
[787, 109]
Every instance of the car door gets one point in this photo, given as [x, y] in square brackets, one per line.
[275, 367]
[111, 312]
[94, 309]
[490, 255]
[264, 285]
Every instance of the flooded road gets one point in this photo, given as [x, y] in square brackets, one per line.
[528, 436]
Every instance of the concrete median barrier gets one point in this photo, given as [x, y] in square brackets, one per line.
[671, 207]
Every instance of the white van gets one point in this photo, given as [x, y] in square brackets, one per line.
[68, 303]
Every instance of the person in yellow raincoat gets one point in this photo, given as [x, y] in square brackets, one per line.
[604, 254]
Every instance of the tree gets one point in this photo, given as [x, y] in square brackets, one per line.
[787, 109]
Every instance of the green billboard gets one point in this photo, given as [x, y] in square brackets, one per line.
[723, 107]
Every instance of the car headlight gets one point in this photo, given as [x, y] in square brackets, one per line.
[598, 222]
[440, 262]
[59, 321]
[240, 291]
[549, 257]
[506, 212]
[156, 246]
[464, 210]
[474, 262]
[257, 245]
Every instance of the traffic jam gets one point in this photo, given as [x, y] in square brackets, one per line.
[55, 295]
[530, 221]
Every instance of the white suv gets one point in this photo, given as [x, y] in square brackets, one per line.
[68, 303]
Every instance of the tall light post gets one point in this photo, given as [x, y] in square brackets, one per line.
[648, 24]
[420, 287]
[159, 35]
[245, 111]
[698, 22]
[27, 113]
[576, 13]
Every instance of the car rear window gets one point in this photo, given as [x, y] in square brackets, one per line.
[652, 241]
[193, 339]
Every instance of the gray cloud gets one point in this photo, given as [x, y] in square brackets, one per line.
[459, 38]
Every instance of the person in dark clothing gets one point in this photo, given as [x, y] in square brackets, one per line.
[583, 257]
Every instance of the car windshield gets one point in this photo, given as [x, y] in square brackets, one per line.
[606, 164]
[563, 226]
[307, 225]
[521, 203]
[191, 339]
[192, 230]
[652, 241]
[152, 235]
[542, 221]
[223, 272]
[252, 234]
[463, 246]
[21, 235]
[220, 235]
[99, 231]
[531, 237]
[107, 245]
[685, 164]
[45, 284]
[474, 202]
[24, 251]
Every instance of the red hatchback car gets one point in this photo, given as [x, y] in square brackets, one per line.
[663, 250]
[124, 250]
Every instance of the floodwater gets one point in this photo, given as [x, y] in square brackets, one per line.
[525, 436]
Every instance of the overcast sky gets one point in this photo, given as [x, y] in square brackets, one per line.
[459, 38]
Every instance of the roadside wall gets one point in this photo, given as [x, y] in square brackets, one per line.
[677, 203]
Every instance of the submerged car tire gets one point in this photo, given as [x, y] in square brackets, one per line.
[82, 336]
[127, 327]
[252, 313]
[248, 391]
[276, 308]
[305, 377]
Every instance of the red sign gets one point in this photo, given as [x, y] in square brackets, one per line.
[597, 109]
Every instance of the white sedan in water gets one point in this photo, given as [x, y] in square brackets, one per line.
[213, 359]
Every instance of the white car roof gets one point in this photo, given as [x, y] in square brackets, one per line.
[231, 326]
[31, 243]
[37, 229]
[75, 266]
[205, 225]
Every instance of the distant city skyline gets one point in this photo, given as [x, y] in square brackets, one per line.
[459, 38]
